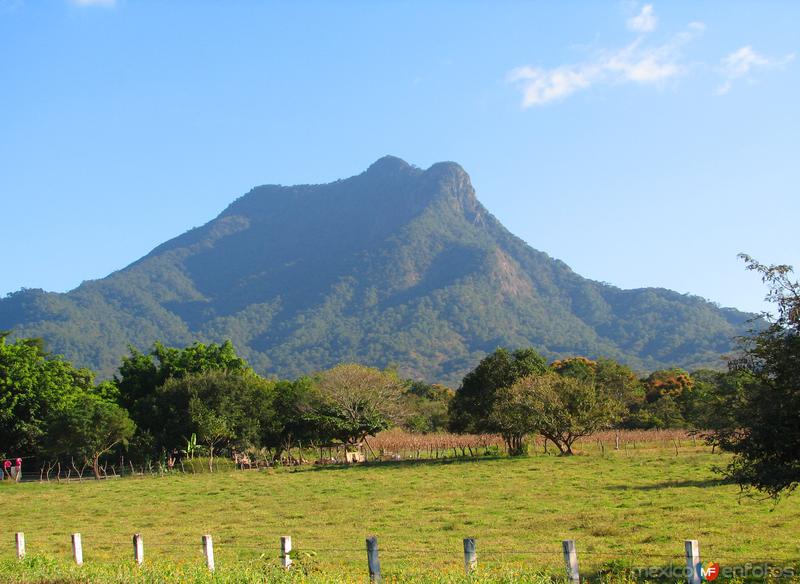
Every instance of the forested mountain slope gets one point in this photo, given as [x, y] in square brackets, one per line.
[396, 266]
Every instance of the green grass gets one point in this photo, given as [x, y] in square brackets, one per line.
[633, 508]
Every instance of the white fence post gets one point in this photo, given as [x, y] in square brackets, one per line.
[138, 549]
[693, 565]
[208, 551]
[286, 549]
[19, 538]
[571, 561]
[470, 555]
[77, 549]
[373, 562]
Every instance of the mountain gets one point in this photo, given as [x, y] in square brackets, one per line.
[395, 266]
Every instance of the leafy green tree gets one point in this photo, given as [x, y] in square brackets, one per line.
[89, 427]
[142, 375]
[426, 405]
[560, 408]
[473, 403]
[609, 376]
[763, 433]
[213, 428]
[242, 399]
[33, 386]
[357, 401]
[293, 421]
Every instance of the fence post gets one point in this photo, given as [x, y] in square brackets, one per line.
[286, 548]
[19, 537]
[470, 555]
[138, 548]
[372, 559]
[77, 549]
[571, 560]
[693, 566]
[208, 551]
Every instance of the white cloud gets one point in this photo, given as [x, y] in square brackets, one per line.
[645, 21]
[634, 63]
[742, 62]
[540, 86]
[107, 3]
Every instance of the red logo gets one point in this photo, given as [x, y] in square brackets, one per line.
[710, 571]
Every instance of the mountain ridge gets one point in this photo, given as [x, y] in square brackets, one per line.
[394, 266]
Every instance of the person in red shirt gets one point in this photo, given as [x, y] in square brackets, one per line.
[7, 469]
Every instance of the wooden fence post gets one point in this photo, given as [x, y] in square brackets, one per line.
[286, 549]
[470, 555]
[138, 549]
[372, 559]
[571, 560]
[19, 538]
[208, 551]
[77, 549]
[693, 565]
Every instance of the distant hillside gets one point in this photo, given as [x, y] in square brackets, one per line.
[397, 265]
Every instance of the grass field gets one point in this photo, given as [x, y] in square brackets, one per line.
[631, 507]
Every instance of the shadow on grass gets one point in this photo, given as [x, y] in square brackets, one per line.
[689, 483]
[408, 462]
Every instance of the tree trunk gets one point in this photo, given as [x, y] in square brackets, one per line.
[210, 459]
[96, 466]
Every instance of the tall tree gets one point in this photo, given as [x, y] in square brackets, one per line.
[33, 386]
[764, 435]
[472, 405]
[242, 400]
[142, 375]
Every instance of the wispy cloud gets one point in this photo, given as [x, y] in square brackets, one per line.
[645, 21]
[634, 63]
[106, 3]
[742, 62]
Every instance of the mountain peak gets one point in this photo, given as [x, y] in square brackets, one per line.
[388, 164]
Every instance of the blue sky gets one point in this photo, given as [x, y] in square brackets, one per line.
[643, 144]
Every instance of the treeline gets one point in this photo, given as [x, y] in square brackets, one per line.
[174, 400]
[201, 397]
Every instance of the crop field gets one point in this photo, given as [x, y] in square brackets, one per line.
[626, 508]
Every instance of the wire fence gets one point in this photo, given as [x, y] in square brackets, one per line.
[474, 551]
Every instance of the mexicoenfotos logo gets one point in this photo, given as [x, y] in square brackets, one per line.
[709, 571]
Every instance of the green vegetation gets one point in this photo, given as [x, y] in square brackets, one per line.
[561, 408]
[396, 266]
[627, 507]
[762, 427]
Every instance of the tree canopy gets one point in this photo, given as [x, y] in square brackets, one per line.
[472, 405]
[763, 431]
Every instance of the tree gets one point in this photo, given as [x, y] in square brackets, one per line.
[560, 408]
[142, 375]
[472, 405]
[764, 434]
[357, 401]
[89, 427]
[426, 405]
[33, 386]
[242, 399]
[212, 427]
[294, 419]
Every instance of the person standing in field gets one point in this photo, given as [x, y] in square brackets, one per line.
[7, 469]
[16, 470]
